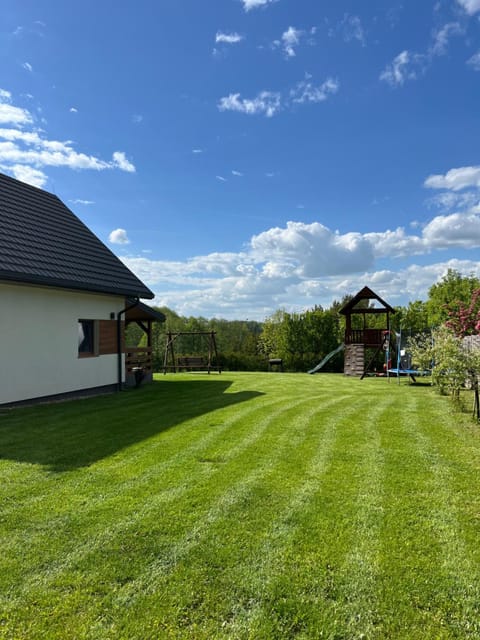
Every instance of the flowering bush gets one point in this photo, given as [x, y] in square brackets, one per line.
[465, 320]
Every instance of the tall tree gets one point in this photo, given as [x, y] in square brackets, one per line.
[448, 296]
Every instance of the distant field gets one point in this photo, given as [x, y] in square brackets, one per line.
[259, 506]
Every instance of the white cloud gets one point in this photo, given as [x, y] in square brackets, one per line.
[9, 114]
[27, 66]
[237, 173]
[315, 249]
[403, 67]
[455, 230]
[448, 200]
[290, 39]
[269, 103]
[27, 174]
[266, 103]
[470, 6]
[197, 150]
[221, 178]
[455, 179]
[305, 91]
[248, 5]
[302, 264]
[235, 286]
[228, 38]
[73, 110]
[474, 61]
[23, 144]
[83, 202]
[352, 29]
[442, 37]
[118, 236]
[120, 161]
[408, 65]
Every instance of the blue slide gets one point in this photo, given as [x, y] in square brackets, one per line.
[341, 347]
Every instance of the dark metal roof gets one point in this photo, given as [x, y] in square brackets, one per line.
[43, 242]
[365, 294]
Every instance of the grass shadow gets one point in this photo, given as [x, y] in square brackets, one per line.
[77, 433]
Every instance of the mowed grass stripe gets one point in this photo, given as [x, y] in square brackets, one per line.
[309, 600]
[153, 457]
[91, 513]
[183, 587]
[148, 511]
[253, 611]
[420, 527]
[250, 475]
[461, 607]
[245, 537]
[68, 586]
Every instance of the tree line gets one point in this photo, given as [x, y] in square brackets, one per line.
[302, 339]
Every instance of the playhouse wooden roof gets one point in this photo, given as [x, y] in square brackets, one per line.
[365, 294]
[42, 242]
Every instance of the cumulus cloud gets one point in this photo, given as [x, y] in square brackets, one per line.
[302, 264]
[120, 161]
[118, 236]
[455, 230]
[470, 6]
[22, 144]
[248, 5]
[266, 103]
[228, 38]
[315, 249]
[9, 114]
[455, 179]
[27, 174]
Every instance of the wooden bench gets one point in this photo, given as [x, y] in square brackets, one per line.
[192, 362]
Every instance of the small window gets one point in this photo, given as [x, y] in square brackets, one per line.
[86, 337]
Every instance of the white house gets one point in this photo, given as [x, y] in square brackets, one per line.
[64, 301]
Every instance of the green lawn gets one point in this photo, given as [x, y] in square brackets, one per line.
[262, 506]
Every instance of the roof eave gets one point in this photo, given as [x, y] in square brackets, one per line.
[21, 278]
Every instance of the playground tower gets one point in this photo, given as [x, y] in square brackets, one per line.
[363, 341]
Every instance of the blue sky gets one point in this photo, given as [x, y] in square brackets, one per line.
[242, 156]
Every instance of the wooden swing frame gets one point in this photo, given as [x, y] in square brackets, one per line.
[188, 363]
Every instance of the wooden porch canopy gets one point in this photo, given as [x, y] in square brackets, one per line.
[370, 337]
[143, 313]
[139, 359]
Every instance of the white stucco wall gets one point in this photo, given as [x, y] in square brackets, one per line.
[39, 342]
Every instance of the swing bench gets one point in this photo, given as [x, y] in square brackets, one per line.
[192, 362]
[189, 362]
